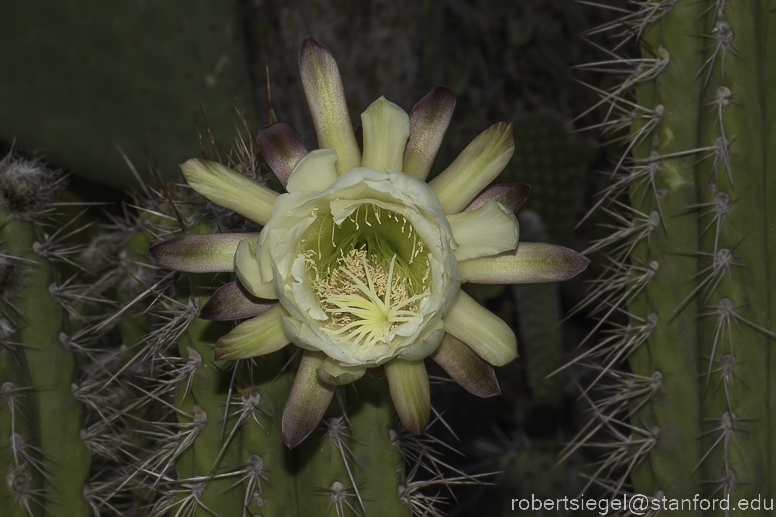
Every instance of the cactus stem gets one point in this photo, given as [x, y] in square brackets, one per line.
[727, 425]
[723, 41]
[336, 430]
[249, 408]
[21, 454]
[235, 365]
[719, 209]
[726, 314]
[23, 494]
[192, 500]
[722, 264]
[637, 176]
[653, 118]
[338, 497]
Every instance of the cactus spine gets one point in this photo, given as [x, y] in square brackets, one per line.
[688, 259]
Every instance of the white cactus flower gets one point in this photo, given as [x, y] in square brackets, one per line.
[360, 262]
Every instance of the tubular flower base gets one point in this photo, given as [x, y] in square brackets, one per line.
[360, 261]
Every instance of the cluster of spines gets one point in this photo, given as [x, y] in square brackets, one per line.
[683, 293]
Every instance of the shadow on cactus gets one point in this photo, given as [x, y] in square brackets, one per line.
[360, 263]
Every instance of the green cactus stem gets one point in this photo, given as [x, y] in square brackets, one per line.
[58, 415]
[690, 255]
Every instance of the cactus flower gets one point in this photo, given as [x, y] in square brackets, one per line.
[360, 262]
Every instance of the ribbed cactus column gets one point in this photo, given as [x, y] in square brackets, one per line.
[203, 405]
[57, 419]
[693, 253]
[734, 345]
[379, 465]
[672, 417]
[20, 479]
[206, 403]
[274, 492]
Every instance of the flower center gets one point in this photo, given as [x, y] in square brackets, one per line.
[371, 277]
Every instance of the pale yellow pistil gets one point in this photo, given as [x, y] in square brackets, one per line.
[367, 311]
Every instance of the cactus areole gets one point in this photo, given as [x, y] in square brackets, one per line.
[360, 262]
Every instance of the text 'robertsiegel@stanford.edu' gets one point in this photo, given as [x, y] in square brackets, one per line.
[640, 504]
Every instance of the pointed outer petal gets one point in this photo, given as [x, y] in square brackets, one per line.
[315, 171]
[466, 367]
[408, 382]
[233, 302]
[428, 123]
[483, 331]
[326, 98]
[260, 335]
[331, 372]
[230, 189]
[475, 167]
[307, 402]
[282, 149]
[246, 266]
[511, 195]
[212, 253]
[530, 263]
[386, 129]
[489, 230]
[377, 373]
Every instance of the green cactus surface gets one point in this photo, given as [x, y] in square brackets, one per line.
[688, 256]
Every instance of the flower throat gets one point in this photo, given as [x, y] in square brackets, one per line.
[369, 274]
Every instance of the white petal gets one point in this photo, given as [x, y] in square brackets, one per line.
[263, 256]
[333, 373]
[426, 344]
[395, 187]
[488, 230]
[293, 328]
[286, 245]
[315, 171]
[247, 268]
[303, 293]
[386, 129]
[289, 210]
